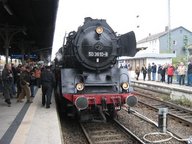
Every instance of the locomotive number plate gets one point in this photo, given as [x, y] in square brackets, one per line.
[98, 54]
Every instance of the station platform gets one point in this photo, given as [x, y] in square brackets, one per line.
[29, 123]
[174, 85]
[174, 90]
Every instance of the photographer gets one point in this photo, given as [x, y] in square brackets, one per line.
[25, 82]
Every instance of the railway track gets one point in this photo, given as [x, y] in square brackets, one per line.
[158, 136]
[109, 133]
[180, 114]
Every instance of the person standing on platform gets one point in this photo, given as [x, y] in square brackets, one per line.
[149, 71]
[163, 71]
[144, 70]
[7, 78]
[48, 82]
[18, 69]
[170, 72]
[189, 73]
[14, 84]
[121, 65]
[137, 72]
[129, 67]
[153, 70]
[37, 76]
[159, 72]
[25, 82]
[32, 82]
[181, 72]
[125, 66]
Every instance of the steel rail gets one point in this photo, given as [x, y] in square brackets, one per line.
[178, 110]
[98, 134]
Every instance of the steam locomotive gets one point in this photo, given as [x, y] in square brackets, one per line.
[88, 79]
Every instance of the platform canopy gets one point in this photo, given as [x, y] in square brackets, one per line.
[27, 25]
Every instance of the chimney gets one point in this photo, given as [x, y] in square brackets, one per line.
[166, 28]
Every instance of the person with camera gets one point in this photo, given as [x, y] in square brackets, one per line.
[25, 82]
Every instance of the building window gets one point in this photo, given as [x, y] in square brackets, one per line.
[174, 42]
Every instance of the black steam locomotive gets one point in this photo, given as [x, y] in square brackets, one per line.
[89, 80]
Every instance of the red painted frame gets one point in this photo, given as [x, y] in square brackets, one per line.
[97, 98]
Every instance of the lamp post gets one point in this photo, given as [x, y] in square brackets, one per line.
[169, 26]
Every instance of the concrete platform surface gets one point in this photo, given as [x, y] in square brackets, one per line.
[174, 91]
[165, 84]
[7, 117]
[38, 125]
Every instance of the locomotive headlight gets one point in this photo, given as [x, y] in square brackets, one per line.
[79, 86]
[125, 86]
[99, 30]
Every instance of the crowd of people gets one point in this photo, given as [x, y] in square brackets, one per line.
[166, 72]
[22, 80]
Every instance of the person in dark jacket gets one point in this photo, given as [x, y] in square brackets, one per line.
[153, 70]
[163, 71]
[47, 82]
[149, 71]
[144, 70]
[7, 79]
[189, 73]
[32, 82]
[13, 68]
[159, 71]
[121, 65]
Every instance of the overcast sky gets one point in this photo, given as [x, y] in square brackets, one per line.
[121, 15]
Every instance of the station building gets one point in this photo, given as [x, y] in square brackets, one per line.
[170, 41]
[159, 50]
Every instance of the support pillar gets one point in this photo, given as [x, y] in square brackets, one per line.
[7, 33]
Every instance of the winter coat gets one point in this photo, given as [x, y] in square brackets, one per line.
[181, 70]
[144, 70]
[170, 71]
